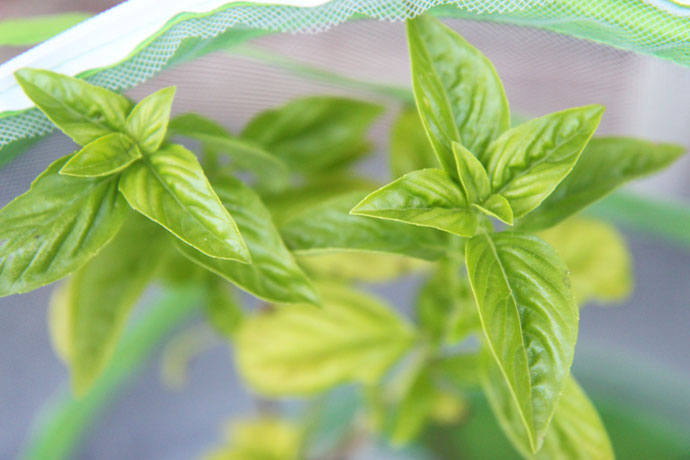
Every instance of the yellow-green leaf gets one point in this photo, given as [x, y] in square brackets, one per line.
[530, 320]
[497, 206]
[575, 433]
[410, 149]
[147, 123]
[427, 198]
[329, 227]
[273, 274]
[270, 171]
[364, 266]
[316, 133]
[301, 349]
[472, 174]
[83, 111]
[471, 85]
[526, 163]
[169, 187]
[597, 256]
[605, 164]
[100, 296]
[106, 155]
[265, 438]
[56, 227]
[432, 100]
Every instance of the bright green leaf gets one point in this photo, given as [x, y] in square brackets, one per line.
[271, 172]
[471, 85]
[301, 349]
[428, 198]
[529, 318]
[364, 266]
[575, 433]
[169, 187]
[445, 306]
[247, 440]
[314, 134]
[273, 274]
[147, 123]
[497, 206]
[432, 100]
[526, 163]
[473, 177]
[193, 125]
[56, 227]
[597, 256]
[410, 149]
[83, 111]
[330, 227]
[101, 294]
[287, 204]
[605, 164]
[106, 155]
[414, 409]
[222, 309]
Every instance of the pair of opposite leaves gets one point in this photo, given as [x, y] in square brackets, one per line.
[76, 206]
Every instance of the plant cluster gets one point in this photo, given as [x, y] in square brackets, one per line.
[278, 211]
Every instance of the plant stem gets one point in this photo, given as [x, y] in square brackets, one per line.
[62, 423]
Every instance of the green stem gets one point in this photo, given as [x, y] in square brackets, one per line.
[61, 424]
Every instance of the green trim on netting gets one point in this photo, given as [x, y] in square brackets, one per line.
[628, 24]
[61, 424]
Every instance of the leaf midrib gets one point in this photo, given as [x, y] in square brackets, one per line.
[68, 206]
[158, 177]
[537, 163]
[522, 339]
[72, 111]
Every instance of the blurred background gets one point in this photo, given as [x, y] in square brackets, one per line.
[639, 349]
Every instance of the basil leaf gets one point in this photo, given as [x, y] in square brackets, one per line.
[82, 111]
[147, 123]
[330, 227]
[575, 433]
[432, 100]
[597, 257]
[445, 306]
[193, 125]
[428, 198]
[526, 163]
[169, 187]
[247, 441]
[353, 338]
[347, 266]
[273, 274]
[56, 227]
[296, 200]
[314, 134]
[271, 172]
[106, 155]
[414, 409]
[529, 318]
[605, 164]
[221, 307]
[473, 177]
[410, 148]
[101, 294]
[497, 206]
[473, 89]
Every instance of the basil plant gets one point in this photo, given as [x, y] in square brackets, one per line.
[481, 208]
